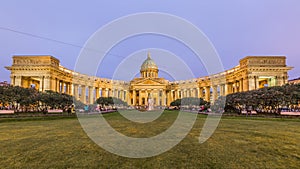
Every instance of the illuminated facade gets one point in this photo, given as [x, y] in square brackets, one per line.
[46, 73]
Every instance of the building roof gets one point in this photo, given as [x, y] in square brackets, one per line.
[148, 64]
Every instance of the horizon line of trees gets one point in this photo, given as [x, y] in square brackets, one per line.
[29, 99]
[268, 98]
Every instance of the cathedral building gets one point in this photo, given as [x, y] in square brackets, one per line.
[46, 73]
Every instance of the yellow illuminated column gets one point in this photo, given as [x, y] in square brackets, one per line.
[171, 96]
[53, 84]
[257, 82]
[83, 94]
[180, 94]
[119, 93]
[76, 96]
[100, 92]
[251, 81]
[245, 85]
[198, 93]
[66, 88]
[164, 98]
[134, 97]
[18, 81]
[157, 97]
[241, 85]
[91, 95]
[214, 93]
[140, 97]
[97, 92]
[146, 97]
[207, 93]
[57, 86]
[128, 97]
[104, 92]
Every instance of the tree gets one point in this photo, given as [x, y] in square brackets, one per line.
[266, 99]
[110, 101]
[189, 101]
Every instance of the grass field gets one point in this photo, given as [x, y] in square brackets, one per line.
[238, 142]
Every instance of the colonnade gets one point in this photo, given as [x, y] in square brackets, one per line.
[89, 94]
[141, 96]
[45, 73]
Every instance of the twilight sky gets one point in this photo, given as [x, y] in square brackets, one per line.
[236, 29]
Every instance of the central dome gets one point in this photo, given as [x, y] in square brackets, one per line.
[148, 64]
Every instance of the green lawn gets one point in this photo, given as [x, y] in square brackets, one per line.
[238, 142]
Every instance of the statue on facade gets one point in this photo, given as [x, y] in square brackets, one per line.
[150, 103]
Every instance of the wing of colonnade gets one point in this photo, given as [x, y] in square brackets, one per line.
[45, 73]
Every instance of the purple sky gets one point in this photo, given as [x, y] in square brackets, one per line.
[236, 28]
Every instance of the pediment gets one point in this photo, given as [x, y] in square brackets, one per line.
[148, 82]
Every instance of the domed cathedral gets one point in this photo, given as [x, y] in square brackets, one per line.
[45, 73]
[148, 86]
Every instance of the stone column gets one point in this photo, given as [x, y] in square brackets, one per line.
[140, 97]
[110, 91]
[214, 93]
[76, 95]
[53, 84]
[146, 97]
[226, 89]
[245, 84]
[279, 81]
[284, 79]
[97, 92]
[171, 95]
[221, 90]
[91, 95]
[69, 88]
[257, 82]
[157, 97]
[251, 82]
[241, 85]
[123, 95]
[65, 84]
[18, 81]
[104, 91]
[113, 92]
[47, 83]
[61, 87]
[119, 94]
[127, 97]
[100, 92]
[134, 97]
[12, 80]
[163, 100]
[179, 94]
[83, 94]
[41, 84]
[207, 93]
[71, 91]
[57, 86]
[195, 94]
